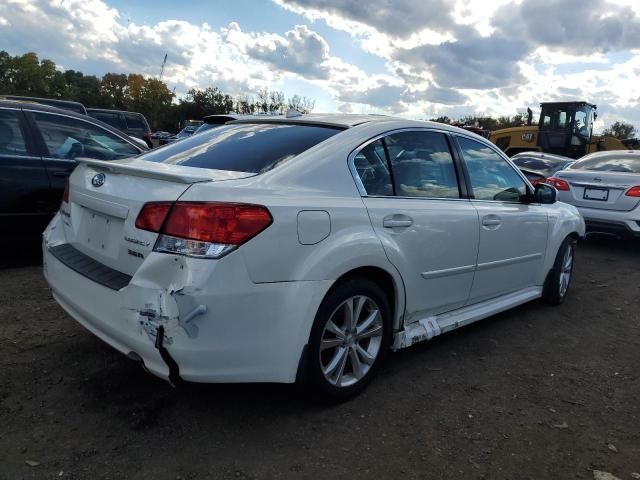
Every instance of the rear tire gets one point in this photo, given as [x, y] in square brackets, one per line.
[349, 339]
[559, 279]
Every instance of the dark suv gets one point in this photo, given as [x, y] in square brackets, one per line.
[38, 147]
[132, 123]
[52, 102]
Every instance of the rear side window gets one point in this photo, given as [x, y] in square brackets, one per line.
[110, 118]
[68, 138]
[255, 147]
[373, 170]
[135, 121]
[11, 137]
[627, 163]
[422, 165]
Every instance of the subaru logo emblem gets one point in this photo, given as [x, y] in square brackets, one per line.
[98, 179]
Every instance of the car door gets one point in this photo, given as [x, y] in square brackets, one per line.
[513, 231]
[24, 184]
[429, 231]
[64, 138]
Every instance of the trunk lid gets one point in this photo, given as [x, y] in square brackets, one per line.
[599, 189]
[105, 199]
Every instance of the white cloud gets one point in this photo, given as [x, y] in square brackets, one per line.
[441, 57]
[299, 51]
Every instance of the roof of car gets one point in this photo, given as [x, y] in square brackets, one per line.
[32, 105]
[543, 156]
[341, 120]
[64, 104]
[611, 154]
[112, 110]
[39, 107]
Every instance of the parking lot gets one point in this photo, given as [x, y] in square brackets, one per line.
[536, 392]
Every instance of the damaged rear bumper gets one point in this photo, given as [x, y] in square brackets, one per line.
[194, 319]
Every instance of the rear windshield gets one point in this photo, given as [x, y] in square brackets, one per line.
[629, 163]
[135, 121]
[546, 167]
[255, 147]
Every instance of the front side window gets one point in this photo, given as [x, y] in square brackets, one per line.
[68, 138]
[11, 137]
[373, 170]
[492, 178]
[422, 165]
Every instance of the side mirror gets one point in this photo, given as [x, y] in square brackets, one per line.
[545, 194]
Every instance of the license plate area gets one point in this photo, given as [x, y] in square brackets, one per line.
[598, 194]
[98, 231]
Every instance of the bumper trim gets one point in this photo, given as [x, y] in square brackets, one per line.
[90, 268]
[610, 227]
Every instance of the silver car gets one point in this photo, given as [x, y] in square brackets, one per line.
[605, 187]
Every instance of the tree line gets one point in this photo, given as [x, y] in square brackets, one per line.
[620, 130]
[29, 76]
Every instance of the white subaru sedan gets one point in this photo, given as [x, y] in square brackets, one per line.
[302, 249]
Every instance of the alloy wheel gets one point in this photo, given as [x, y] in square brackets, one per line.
[351, 341]
[566, 270]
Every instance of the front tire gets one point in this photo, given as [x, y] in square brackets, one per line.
[559, 279]
[349, 339]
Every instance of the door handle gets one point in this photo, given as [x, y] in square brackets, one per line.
[397, 221]
[491, 221]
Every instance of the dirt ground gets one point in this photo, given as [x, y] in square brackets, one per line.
[534, 393]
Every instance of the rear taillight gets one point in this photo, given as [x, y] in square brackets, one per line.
[633, 191]
[65, 195]
[198, 229]
[560, 184]
[152, 216]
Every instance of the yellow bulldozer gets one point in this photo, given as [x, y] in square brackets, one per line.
[565, 128]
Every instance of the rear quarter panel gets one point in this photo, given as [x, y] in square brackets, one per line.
[564, 220]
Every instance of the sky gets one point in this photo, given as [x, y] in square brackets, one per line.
[412, 58]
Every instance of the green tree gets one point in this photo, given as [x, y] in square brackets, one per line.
[442, 119]
[83, 88]
[114, 87]
[621, 130]
[276, 102]
[244, 105]
[301, 104]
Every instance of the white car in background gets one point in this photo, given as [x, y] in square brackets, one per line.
[605, 186]
[302, 249]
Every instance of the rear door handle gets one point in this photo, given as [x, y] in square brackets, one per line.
[397, 221]
[491, 221]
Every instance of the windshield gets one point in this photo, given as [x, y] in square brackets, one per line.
[207, 126]
[626, 163]
[243, 147]
[186, 132]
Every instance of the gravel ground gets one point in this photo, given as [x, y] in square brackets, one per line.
[535, 393]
